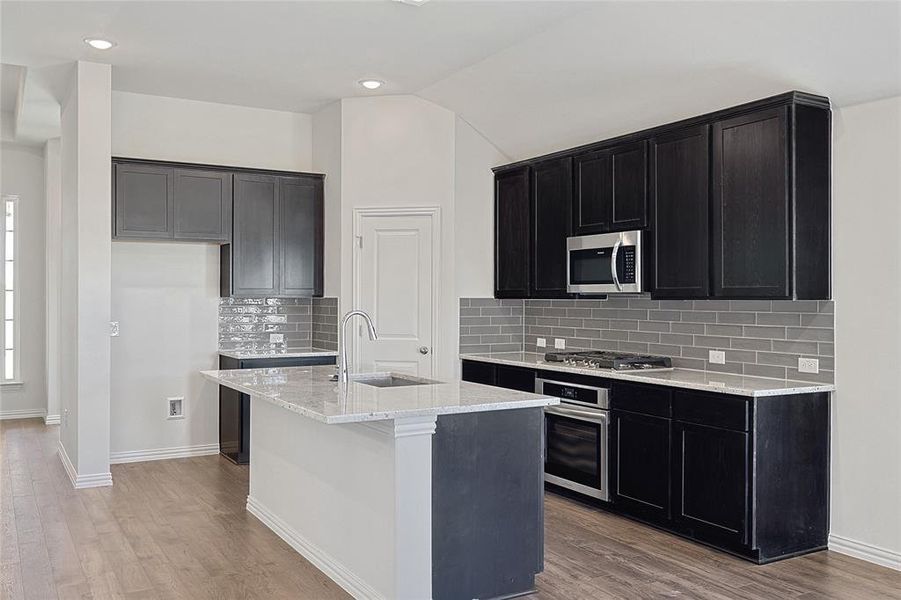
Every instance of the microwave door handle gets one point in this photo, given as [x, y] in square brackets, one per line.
[616, 246]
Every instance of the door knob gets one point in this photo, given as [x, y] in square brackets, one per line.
[423, 349]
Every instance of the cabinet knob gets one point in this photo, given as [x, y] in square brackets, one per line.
[423, 349]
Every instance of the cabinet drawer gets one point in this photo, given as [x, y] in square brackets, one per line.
[478, 372]
[714, 410]
[644, 399]
[515, 378]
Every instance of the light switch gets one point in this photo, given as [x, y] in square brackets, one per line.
[717, 357]
[559, 344]
[541, 343]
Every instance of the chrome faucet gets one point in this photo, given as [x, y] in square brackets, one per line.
[343, 368]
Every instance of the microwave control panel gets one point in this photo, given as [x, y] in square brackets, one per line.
[628, 264]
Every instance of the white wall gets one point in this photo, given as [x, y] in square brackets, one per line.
[327, 159]
[399, 151]
[22, 174]
[86, 215]
[165, 295]
[205, 132]
[866, 411]
[53, 234]
[474, 202]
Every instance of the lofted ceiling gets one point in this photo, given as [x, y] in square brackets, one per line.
[532, 76]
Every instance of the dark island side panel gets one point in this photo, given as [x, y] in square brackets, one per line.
[487, 504]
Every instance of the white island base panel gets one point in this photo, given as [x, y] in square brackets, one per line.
[354, 499]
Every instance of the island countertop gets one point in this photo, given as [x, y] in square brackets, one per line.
[309, 392]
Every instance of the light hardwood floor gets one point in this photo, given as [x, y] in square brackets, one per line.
[178, 529]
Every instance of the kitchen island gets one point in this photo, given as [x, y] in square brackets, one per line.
[399, 487]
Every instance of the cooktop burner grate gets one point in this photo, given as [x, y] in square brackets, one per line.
[618, 361]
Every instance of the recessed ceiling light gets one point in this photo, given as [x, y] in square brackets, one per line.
[99, 43]
[371, 84]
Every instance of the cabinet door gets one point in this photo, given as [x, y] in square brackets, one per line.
[640, 469]
[515, 378]
[301, 234]
[551, 225]
[710, 482]
[630, 186]
[511, 234]
[751, 205]
[679, 250]
[593, 200]
[202, 205]
[143, 201]
[255, 239]
[610, 190]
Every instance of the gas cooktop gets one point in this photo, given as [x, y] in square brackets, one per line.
[618, 361]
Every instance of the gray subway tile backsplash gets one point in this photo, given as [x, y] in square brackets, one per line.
[304, 323]
[762, 338]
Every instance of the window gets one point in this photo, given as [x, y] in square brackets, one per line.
[10, 333]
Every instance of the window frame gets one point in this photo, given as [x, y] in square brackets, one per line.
[15, 379]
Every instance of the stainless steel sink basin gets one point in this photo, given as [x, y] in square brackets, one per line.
[391, 380]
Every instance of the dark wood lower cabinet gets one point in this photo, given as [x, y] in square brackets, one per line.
[710, 482]
[748, 475]
[640, 465]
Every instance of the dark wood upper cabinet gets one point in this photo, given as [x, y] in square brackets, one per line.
[551, 225]
[163, 202]
[255, 250]
[301, 235]
[511, 234]
[678, 242]
[751, 205]
[202, 205]
[142, 201]
[610, 189]
[735, 203]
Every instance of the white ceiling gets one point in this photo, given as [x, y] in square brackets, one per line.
[295, 56]
[531, 76]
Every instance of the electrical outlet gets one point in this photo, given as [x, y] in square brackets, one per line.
[114, 328]
[176, 407]
[559, 344]
[808, 365]
[541, 343]
[276, 338]
[717, 357]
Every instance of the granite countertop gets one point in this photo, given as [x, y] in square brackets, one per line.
[309, 392]
[251, 354]
[709, 381]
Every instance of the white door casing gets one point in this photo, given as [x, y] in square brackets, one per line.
[396, 265]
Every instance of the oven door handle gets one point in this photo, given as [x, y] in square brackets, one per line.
[584, 415]
[613, 272]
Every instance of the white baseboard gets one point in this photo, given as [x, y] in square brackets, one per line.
[131, 456]
[340, 574]
[864, 551]
[23, 413]
[80, 482]
[51, 419]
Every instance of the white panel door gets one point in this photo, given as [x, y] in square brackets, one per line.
[395, 281]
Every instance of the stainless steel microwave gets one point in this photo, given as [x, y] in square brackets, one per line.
[607, 263]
